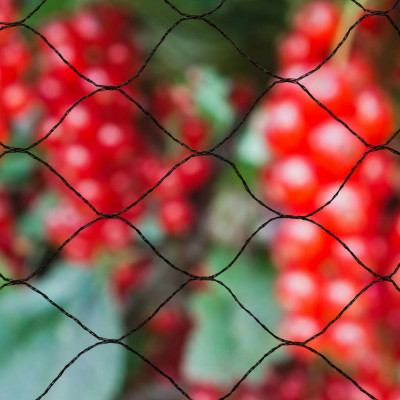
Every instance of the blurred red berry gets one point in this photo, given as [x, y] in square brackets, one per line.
[318, 21]
[176, 216]
[291, 182]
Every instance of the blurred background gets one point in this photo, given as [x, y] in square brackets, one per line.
[190, 84]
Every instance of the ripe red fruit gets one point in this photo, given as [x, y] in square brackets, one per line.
[242, 97]
[379, 172]
[115, 234]
[371, 250]
[62, 222]
[318, 21]
[14, 55]
[82, 250]
[300, 244]
[93, 191]
[330, 88]
[349, 213]
[7, 11]
[7, 14]
[194, 173]
[296, 48]
[117, 142]
[394, 232]
[297, 328]
[74, 161]
[285, 128]
[176, 216]
[334, 149]
[4, 130]
[349, 338]
[291, 182]
[126, 277]
[337, 293]
[166, 322]
[312, 154]
[195, 132]
[161, 103]
[297, 291]
[171, 186]
[205, 392]
[15, 98]
[374, 115]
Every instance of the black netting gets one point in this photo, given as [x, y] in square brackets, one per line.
[276, 80]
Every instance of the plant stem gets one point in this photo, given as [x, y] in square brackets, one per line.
[350, 14]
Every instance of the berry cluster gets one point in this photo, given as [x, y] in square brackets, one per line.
[174, 107]
[104, 148]
[312, 154]
[15, 64]
[97, 146]
[15, 106]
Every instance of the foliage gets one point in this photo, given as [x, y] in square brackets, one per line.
[37, 340]
[226, 341]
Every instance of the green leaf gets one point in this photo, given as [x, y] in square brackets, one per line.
[15, 169]
[151, 229]
[50, 8]
[211, 96]
[252, 148]
[37, 340]
[226, 341]
[32, 222]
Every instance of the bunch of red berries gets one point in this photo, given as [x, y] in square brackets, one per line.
[311, 156]
[14, 67]
[98, 146]
[105, 148]
[15, 106]
[175, 109]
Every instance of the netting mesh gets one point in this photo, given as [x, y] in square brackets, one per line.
[276, 80]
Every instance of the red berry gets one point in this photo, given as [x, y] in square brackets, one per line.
[291, 182]
[195, 132]
[15, 98]
[374, 116]
[379, 172]
[127, 277]
[7, 11]
[74, 161]
[334, 149]
[299, 244]
[297, 328]
[4, 129]
[296, 48]
[285, 129]
[194, 173]
[371, 250]
[330, 88]
[205, 392]
[166, 322]
[15, 57]
[242, 97]
[116, 234]
[337, 293]
[161, 103]
[176, 216]
[349, 339]
[349, 213]
[318, 21]
[297, 291]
